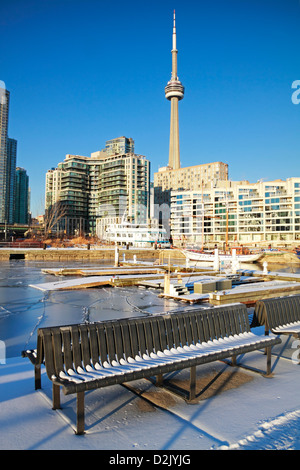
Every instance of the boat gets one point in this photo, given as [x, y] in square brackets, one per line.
[137, 235]
[210, 257]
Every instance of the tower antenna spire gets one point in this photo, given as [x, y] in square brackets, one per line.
[174, 91]
[174, 31]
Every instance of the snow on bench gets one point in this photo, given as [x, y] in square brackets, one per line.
[83, 357]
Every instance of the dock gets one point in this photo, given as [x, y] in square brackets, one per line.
[112, 278]
[105, 271]
[192, 284]
[187, 298]
[254, 292]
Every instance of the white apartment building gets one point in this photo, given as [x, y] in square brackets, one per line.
[191, 178]
[238, 211]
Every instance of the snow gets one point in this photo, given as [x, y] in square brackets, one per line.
[257, 414]
[263, 413]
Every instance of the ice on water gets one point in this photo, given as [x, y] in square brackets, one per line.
[24, 309]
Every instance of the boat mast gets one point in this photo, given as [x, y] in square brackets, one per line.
[202, 217]
[226, 204]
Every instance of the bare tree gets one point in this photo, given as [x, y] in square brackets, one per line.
[54, 215]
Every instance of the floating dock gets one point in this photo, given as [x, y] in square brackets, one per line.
[105, 271]
[249, 294]
[112, 278]
[185, 284]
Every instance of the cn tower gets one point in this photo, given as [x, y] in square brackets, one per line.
[174, 92]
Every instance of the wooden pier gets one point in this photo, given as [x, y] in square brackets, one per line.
[110, 277]
[250, 294]
[208, 286]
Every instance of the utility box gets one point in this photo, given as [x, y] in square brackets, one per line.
[204, 287]
[223, 284]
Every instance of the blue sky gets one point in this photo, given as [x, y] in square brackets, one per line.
[81, 72]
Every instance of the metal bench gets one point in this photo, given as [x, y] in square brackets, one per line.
[88, 356]
[280, 315]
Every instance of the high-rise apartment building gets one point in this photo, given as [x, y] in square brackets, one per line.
[8, 153]
[11, 179]
[97, 190]
[12, 186]
[8, 156]
[124, 189]
[21, 210]
[4, 107]
[66, 197]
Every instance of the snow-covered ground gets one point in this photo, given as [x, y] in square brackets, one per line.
[244, 411]
[260, 413]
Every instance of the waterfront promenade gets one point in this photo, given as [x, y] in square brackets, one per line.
[241, 410]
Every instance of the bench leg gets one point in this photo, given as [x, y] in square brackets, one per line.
[159, 380]
[37, 378]
[192, 393]
[80, 413]
[268, 352]
[55, 396]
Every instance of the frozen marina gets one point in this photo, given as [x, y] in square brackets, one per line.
[240, 410]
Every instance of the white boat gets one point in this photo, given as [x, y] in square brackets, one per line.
[210, 257]
[137, 235]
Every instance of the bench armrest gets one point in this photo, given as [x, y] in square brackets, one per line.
[32, 356]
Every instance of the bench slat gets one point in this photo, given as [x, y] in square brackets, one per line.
[169, 331]
[94, 346]
[180, 330]
[119, 351]
[175, 330]
[126, 340]
[162, 333]
[67, 348]
[138, 339]
[231, 323]
[48, 350]
[187, 329]
[228, 323]
[293, 309]
[85, 345]
[211, 326]
[156, 335]
[148, 336]
[76, 347]
[217, 324]
[110, 341]
[57, 349]
[205, 327]
[102, 343]
[222, 323]
[200, 327]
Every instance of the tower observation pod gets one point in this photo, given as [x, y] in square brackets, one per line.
[174, 91]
